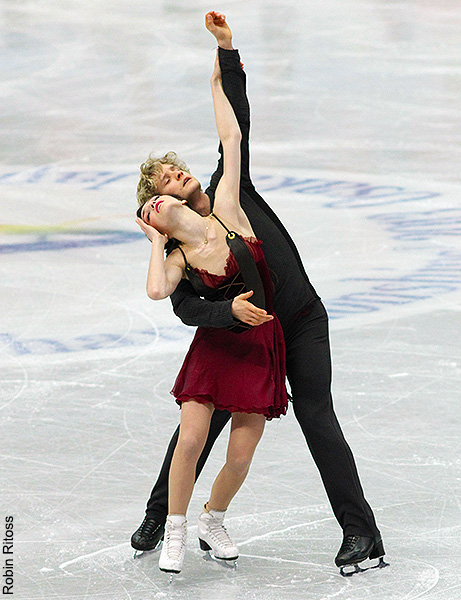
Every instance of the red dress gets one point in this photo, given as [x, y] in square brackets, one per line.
[238, 372]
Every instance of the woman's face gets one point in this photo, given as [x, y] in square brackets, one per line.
[157, 212]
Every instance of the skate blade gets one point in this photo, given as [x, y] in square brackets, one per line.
[171, 575]
[139, 553]
[356, 569]
[227, 564]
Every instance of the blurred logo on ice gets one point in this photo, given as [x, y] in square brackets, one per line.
[424, 226]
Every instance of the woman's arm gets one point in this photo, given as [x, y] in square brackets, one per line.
[164, 274]
[228, 190]
[234, 85]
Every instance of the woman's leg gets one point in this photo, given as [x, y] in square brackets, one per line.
[193, 431]
[157, 506]
[246, 431]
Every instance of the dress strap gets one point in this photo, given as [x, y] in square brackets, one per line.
[184, 256]
[193, 276]
[230, 234]
[247, 265]
[219, 221]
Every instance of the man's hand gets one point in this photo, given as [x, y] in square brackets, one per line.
[247, 312]
[150, 232]
[216, 24]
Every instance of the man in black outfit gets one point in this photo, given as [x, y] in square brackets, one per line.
[305, 324]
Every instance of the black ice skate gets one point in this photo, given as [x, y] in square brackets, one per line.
[357, 548]
[148, 535]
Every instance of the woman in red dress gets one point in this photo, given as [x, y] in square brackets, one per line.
[243, 372]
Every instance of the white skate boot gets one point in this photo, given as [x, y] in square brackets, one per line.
[213, 536]
[174, 544]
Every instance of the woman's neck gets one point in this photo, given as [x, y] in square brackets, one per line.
[194, 231]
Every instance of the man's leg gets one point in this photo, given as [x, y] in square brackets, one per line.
[309, 374]
[150, 532]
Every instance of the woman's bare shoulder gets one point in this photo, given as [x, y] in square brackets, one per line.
[176, 257]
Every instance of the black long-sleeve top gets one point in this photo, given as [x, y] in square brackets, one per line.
[293, 291]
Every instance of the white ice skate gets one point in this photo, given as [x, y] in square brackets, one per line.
[213, 536]
[174, 545]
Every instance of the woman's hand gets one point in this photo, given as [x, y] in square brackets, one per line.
[216, 24]
[151, 233]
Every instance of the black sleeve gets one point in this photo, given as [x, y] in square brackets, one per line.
[234, 85]
[196, 311]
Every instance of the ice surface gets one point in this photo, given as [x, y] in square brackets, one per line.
[356, 124]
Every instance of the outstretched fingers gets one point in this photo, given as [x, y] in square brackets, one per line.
[249, 313]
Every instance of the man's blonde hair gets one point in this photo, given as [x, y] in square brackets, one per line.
[151, 170]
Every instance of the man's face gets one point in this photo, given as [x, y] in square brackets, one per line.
[174, 182]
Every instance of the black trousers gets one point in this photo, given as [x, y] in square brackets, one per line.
[309, 375]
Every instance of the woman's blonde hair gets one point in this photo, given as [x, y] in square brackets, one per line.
[151, 170]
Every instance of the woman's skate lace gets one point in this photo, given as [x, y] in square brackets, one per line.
[175, 542]
[217, 530]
